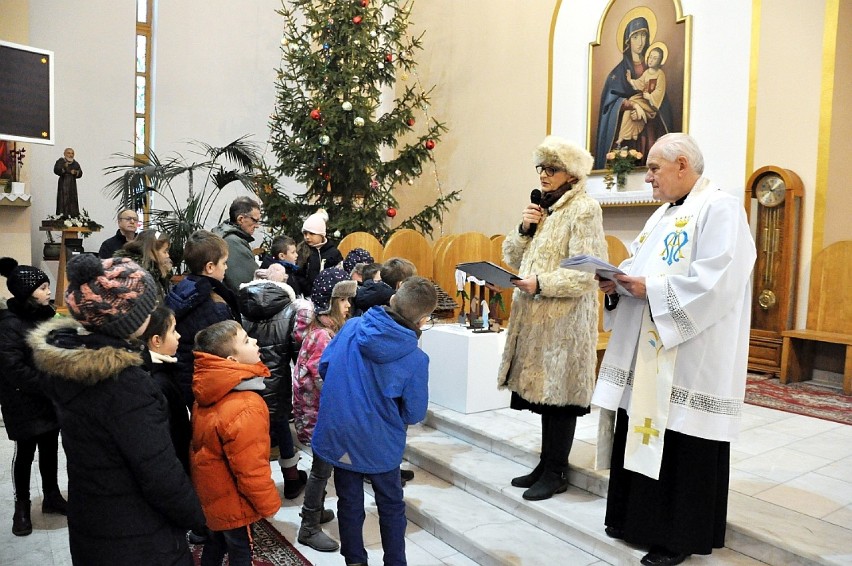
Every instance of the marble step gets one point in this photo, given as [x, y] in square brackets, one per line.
[756, 528]
[462, 495]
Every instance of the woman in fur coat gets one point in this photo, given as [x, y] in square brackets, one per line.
[549, 359]
[129, 499]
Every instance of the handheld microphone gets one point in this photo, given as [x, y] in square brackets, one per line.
[535, 198]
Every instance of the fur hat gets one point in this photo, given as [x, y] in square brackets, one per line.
[112, 296]
[557, 152]
[330, 283]
[315, 223]
[356, 255]
[21, 280]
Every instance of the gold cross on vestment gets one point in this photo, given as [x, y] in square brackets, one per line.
[646, 431]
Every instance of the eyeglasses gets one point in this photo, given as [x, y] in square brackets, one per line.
[253, 219]
[126, 218]
[549, 171]
[430, 322]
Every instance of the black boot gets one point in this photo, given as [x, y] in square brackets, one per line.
[22, 524]
[54, 503]
[549, 484]
[529, 479]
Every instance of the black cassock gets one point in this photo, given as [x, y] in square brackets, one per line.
[66, 189]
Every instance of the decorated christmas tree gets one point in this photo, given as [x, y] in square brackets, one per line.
[351, 120]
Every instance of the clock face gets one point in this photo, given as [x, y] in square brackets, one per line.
[770, 190]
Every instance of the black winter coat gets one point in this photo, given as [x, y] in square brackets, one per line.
[320, 258]
[198, 301]
[166, 377]
[268, 316]
[27, 411]
[128, 495]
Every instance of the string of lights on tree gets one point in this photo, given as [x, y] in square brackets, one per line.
[330, 127]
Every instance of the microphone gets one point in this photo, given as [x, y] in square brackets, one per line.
[535, 198]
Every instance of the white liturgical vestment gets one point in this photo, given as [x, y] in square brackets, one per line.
[696, 317]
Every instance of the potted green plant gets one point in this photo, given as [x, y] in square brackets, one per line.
[156, 181]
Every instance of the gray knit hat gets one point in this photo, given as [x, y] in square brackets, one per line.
[112, 296]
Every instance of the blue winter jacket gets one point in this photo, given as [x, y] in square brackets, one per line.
[375, 385]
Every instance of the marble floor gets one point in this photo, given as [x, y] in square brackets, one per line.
[790, 462]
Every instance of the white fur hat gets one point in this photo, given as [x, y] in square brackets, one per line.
[555, 151]
[315, 223]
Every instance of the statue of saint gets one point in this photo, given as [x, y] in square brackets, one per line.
[68, 171]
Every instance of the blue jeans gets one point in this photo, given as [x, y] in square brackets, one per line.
[234, 542]
[350, 515]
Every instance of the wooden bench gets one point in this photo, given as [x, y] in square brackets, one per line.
[829, 317]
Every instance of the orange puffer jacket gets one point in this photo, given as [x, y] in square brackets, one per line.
[229, 455]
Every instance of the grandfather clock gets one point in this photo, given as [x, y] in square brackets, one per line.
[773, 201]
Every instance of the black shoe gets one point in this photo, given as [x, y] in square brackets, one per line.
[22, 525]
[54, 503]
[406, 475]
[549, 484]
[197, 537]
[614, 532]
[663, 557]
[292, 488]
[529, 479]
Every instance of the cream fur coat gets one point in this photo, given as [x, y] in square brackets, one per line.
[550, 347]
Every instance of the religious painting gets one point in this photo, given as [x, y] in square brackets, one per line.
[639, 69]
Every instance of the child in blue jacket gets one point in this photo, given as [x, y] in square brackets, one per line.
[374, 367]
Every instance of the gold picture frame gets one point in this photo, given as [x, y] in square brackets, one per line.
[651, 40]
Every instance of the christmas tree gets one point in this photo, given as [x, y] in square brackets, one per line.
[335, 129]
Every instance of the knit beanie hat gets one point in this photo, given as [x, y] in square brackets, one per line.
[330, 283]
[112, 296]
[315, 223]
[357, 255]
[21, 280]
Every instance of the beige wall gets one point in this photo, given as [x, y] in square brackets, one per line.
[15, 220]
[837, 191]
[488, 60]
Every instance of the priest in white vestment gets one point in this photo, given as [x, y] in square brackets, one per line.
[675, 366]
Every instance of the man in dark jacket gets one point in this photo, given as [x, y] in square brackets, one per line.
[238, 233]
[128, 222]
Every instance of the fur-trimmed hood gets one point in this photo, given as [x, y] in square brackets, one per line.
[63, 348]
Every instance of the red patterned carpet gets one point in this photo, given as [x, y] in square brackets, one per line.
[803, 398]
[270, 548]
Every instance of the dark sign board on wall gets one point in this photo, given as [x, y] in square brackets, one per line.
[26, 93]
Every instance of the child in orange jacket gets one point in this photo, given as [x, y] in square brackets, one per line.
[229, 455]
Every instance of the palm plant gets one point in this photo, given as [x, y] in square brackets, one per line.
[182, 213]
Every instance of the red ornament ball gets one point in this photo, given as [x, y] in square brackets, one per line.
[364, 3]
[357, 20]
[389, 57]
[391, 212]
[410, 121]
[430, 144]
[315, 114]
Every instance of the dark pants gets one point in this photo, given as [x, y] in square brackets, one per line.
[22, 463]
[387, 489]
[557, 437]
[281, 436]
[234, 542]
[686, 509]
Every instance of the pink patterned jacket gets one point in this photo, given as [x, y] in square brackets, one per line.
[307, 383]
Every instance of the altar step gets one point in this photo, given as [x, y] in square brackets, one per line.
[462, 495]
